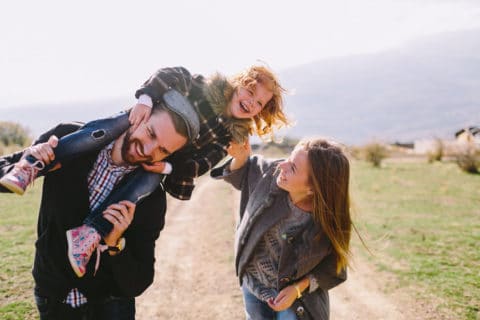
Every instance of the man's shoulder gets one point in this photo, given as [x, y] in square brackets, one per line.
[60, 130]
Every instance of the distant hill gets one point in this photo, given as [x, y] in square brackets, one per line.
[40, 118]
[428, 88]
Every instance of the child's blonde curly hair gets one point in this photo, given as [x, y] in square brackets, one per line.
[272, 114]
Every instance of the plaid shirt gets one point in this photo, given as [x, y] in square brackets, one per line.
[209, 149]
[104, 176]
[101, 180]
[75, 298]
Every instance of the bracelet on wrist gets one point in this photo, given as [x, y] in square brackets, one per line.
[299, 292]
[119, 246]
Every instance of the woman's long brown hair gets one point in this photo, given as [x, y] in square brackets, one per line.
[329, 177]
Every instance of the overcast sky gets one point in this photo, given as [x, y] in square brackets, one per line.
[54, 51]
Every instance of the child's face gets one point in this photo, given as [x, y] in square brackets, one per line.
[247, 103]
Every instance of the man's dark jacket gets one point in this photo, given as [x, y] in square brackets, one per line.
[64, 205]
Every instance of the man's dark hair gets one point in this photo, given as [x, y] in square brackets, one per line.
[178, 122]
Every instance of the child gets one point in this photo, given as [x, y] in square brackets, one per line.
[228, 110]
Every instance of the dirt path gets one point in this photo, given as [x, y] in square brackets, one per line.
[195, 275]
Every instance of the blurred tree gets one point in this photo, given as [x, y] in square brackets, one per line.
[12, 133]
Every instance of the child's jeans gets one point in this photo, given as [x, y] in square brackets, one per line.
[93, 136]
[139, 185]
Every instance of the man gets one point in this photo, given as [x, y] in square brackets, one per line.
[127, 267]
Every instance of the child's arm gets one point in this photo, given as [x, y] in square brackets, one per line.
[200, 162]
[177, 78]
[151, 92]
[239, 153]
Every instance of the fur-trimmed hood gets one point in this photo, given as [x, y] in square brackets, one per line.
[219, 91]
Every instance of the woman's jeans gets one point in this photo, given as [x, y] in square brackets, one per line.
[111, 308]
[94, 136]
[256, 309]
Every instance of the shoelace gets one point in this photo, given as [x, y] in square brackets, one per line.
[32, 170]
[100, 248]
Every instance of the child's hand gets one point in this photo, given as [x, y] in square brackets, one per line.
[139, 114]
[162, 167]
[239, 150]
[240, 153]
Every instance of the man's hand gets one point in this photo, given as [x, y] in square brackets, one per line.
[44, 151]
[120, 215]
[139, 114]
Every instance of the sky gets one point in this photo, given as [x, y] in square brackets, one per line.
[62, 51]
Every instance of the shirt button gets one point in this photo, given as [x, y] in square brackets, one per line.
[285, 280]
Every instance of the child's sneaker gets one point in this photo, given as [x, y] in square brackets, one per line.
[82, 241]
[22, 174]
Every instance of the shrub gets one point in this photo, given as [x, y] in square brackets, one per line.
[12, 133]
[374, 153]
[438, 151]
[468, 159]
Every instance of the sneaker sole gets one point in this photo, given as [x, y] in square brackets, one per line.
[12, 187]
[73, 263]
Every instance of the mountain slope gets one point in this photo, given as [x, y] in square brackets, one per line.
[428, 88]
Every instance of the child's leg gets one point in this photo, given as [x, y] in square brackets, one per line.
[93, 136]
[82, 241]
[138, 186]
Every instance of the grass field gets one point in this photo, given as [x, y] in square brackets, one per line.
[18, 217]
[422, 221]
[423, 224]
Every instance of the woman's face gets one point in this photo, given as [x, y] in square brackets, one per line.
[247, 103]
[293, 175]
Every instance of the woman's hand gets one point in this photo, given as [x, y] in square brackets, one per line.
[284, 299]
[288, 295]
[240, 153]
[139, 114]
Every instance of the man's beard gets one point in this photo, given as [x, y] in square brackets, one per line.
[125, 147]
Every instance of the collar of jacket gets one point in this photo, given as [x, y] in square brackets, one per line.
[219, 91]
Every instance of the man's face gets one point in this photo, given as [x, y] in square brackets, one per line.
[152, 141]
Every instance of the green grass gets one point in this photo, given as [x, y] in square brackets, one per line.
[421, 220]
[18, 220]
[423, 224]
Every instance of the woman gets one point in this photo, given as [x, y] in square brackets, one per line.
[292, 240]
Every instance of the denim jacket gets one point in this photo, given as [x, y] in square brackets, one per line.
[262, 205]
